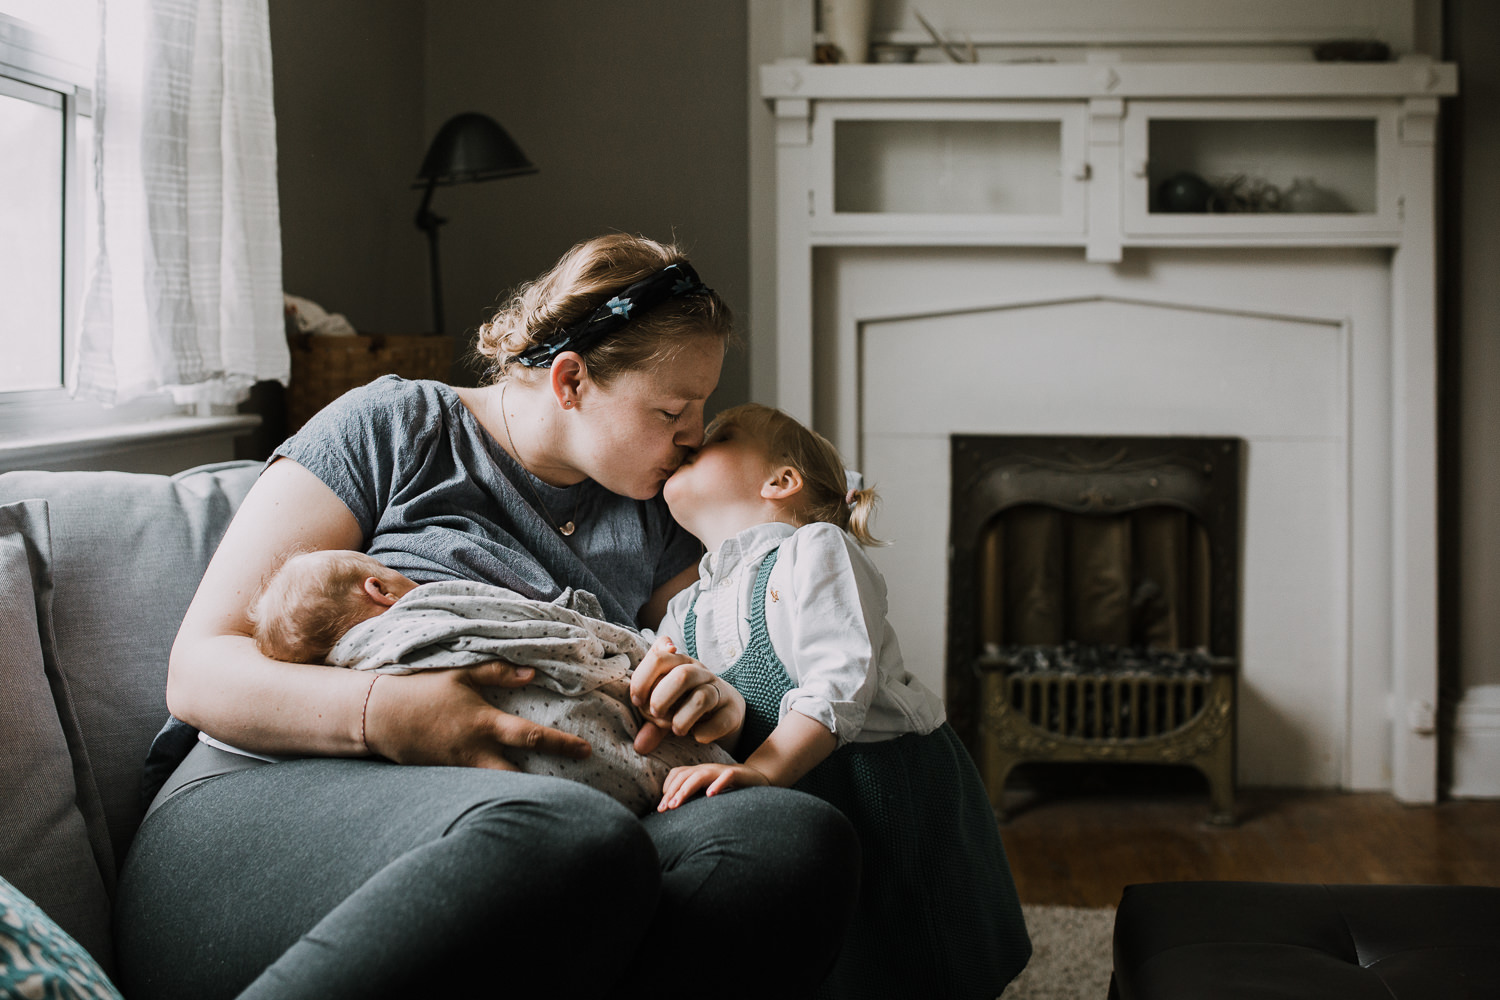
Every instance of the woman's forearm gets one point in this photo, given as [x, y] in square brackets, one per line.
[225, 687]
[797, 745]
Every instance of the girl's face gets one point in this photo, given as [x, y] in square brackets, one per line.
[727, 474]
[648, 421]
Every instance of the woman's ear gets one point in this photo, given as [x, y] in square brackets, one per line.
[783, 484]
[568, 375]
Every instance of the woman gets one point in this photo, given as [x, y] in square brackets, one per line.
[332, 875]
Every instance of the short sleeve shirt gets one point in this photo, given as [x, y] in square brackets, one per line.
[438, 498]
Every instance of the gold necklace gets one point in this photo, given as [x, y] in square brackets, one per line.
[562, 529]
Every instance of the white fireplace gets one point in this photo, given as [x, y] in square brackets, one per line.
[904, 319]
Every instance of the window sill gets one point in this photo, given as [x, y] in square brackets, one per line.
[89, 447]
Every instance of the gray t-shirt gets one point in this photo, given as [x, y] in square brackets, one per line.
[438, 498]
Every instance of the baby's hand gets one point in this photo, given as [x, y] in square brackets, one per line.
[684, 782]
[678, 694]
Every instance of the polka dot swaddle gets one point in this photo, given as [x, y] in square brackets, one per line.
[582, 682]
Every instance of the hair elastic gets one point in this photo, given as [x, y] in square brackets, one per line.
[670, 282]
[856, 483]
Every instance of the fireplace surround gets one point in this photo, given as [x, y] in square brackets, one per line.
[1309, 336]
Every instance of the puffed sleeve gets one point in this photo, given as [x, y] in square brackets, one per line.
[835, 622]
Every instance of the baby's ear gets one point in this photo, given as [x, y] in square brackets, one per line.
[783, 484]
[375, 590]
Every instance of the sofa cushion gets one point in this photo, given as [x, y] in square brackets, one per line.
[128, 550]
[47, 847]
[39, 959]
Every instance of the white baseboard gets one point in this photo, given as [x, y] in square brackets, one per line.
[1476, 744]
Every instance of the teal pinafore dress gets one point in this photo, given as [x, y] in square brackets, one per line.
[937, 914]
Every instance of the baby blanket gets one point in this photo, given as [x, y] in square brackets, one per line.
[582, 682]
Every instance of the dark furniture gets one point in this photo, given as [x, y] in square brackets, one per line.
[1263, 940]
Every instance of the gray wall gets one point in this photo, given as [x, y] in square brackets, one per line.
[350, 136]
[1471, 389]
[635, 115]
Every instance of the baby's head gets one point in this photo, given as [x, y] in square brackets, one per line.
[757, 456]
[313, 598]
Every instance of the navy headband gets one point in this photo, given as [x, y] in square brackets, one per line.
[670, 282]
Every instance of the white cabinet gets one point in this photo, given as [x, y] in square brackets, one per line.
[971, 170]
[1289, 170]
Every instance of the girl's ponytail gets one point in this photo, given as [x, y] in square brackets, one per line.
[861, 505]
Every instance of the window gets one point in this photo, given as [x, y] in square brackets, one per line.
[47, 52]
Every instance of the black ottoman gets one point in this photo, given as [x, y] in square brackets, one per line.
[1244, 940]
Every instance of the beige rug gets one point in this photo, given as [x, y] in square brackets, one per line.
[1070, 954]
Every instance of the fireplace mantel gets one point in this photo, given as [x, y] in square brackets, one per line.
[1092, 208]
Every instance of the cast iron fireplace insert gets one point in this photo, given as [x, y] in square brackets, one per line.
[1094, 603]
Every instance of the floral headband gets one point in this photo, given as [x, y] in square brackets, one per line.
[670, 282]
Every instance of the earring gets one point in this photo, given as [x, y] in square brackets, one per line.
[567, 404]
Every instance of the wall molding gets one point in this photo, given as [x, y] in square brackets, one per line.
[1476, 744]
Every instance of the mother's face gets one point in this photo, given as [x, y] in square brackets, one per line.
[639, 430]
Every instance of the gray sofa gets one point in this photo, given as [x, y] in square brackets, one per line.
[96, 571]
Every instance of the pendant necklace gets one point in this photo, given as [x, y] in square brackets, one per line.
[564, 529]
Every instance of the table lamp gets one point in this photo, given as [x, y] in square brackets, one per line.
[469, 147]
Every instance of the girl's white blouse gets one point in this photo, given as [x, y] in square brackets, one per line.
[826, 614]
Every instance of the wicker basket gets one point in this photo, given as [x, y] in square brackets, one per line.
[324, 368]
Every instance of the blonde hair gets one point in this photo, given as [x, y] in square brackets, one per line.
[585, 277]
[825, 494]
[308, 602]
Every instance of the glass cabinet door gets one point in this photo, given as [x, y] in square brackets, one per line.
[971, 169]
[1289, 168]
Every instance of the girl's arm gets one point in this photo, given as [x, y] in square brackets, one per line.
[797, 745]
[219, 682]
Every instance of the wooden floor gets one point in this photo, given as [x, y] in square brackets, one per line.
[1081, 847]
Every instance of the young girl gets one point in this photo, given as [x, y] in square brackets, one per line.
[790, 610]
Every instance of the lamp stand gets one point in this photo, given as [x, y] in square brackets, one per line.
[429, 222]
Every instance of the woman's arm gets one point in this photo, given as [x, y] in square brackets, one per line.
[219, 682]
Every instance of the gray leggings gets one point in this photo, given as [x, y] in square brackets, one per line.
[327, 879]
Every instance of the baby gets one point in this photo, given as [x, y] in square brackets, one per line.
[348, 609]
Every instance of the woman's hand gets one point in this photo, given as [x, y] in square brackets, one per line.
[684, 782]
[441, 717]
[678, 694]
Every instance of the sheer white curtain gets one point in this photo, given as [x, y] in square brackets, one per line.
[185, 292]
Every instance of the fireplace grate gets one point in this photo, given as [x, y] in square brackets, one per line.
[1037, 707]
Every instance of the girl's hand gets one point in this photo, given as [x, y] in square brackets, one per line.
[441, 717]
[678, 694]
[684, 782]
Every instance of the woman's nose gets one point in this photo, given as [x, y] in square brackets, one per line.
[690, 436]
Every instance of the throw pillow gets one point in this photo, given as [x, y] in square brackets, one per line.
[38, 959]
[48, 846]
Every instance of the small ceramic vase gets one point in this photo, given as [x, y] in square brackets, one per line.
[847, 25]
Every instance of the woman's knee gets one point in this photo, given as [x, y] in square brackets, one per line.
[814, 840]
[568, 834]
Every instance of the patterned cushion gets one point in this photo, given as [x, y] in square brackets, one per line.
[39, 959]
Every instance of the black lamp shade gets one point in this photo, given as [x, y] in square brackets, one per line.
[471, 147]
